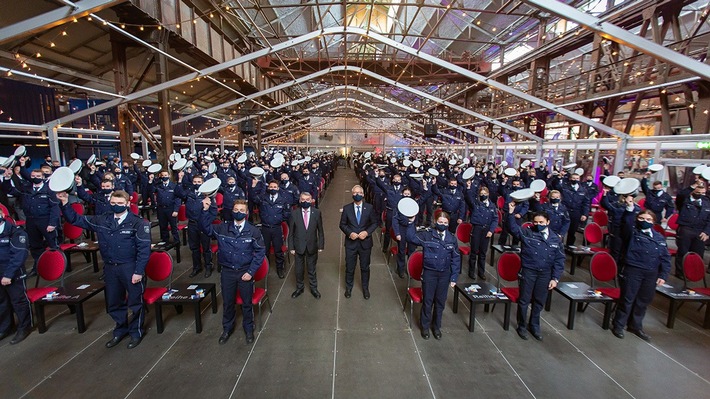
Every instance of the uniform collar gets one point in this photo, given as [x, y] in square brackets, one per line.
[122, 218]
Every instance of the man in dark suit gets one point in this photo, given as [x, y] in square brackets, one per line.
[305, 241]
[358, 221]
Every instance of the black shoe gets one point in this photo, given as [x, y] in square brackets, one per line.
[536, 335]
[208, 273]
[5, 335]
[194, 273]
[618, 333]
[224, 337]
[482, 277]
[280, 273]
[315, 293]
[401, 273]
[522, 333]
[641, 334]
[437, 334]
[250, 337]
[297, 293]
[348, 292]
[134, 342]
[425, 334]
[366, 293]
[114, 341]
[20, 336]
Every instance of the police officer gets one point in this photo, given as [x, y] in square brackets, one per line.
[452, 202]
[521, 209]
[442, 265]
[198, 241]
[543, 262]
[124, 243]
[646, 265]
[230, 193]
[13, 292]
[576, 199]
[693, 225]
[555, 209]
[624, 207]
[167, 198]
[101, 199]
[392, 194]
[241, 253]
[306, 182]
[400, 223]
[42, 211]
[591, 187]
[484, 218]
[657, 200]
[274, 209]
[289, 188]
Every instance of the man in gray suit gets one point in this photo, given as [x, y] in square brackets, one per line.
[305, 241]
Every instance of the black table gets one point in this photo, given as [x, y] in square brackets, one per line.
[72, 295]
[678, 296]
[85, 248]
[579, 294]
[500, 249]
[486, 295]
[165, 247]
[184, 296]
[578, 254]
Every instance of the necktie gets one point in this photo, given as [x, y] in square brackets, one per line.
[357, 214]
[273, 198]
[305, 218]
[441, 235]
[115, 222]
[544, 236]
[36, 189]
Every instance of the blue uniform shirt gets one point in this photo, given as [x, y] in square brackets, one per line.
[243, 251]
[538, 253]
[648, 252]
[439, 255]
[695, 216]
[13, 250]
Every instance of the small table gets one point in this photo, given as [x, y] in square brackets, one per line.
[484, 295]
[168, 246]
[183, 296]
[678, 296]
[578, 255]
[578, 294]
[84, 248]
[74, 295]
[500, 249]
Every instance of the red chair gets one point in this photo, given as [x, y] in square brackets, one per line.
[182, 222]
[78, 208]
[219, 200]
[463, 234]
[602, 269]
[601, 218]
[500, 202]
[660, 229]
[673, 225]
[159, 268]
[394, 250]
[694, 271]
[284, 247]
[260, 294]
[50, 266]
[508, 267]
[134, 209]
[415, 265]
[72, 233]
[134, 198]
[593, 234]
[6, 212]
[642, 203]
[527, 225]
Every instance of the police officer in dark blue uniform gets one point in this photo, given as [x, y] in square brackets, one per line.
[442, 265]
[13, 292]
[543, 262]
[617, 210]
[646, 264]
[306, 182]
[399, 227]
[274, 209]
[197, 240]
[378, 195]
[42, 211]
[555, 209]
[230, 193]
[521, 209]
[124, 243]
[225, 172]
[693, 225]
[453, 203]
[289, 188]
[657, 200]
[392, 194]
[100, 199]
[240, 253]
[576, 199]
[484, 218]
[167, 198]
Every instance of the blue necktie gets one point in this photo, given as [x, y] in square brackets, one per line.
[357, 214]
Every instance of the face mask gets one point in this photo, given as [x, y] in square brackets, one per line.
[574, 182]
[204, 171]
[165, 179]
[697, 196]
[118, 208]
[483, 197]
[643, 224]
[357, 197]
[36, 180]
[272, 191]
[452, 188]
[305, 175]
[406, 195]
[47, 175]
[305, 204]
[106, 191]
[554, 200]
[539, 227]
[516, 188]
[231, 184]
[239, 216]
[396, 182]
[284, 181]
[441, 227]
[117, 172]
[196, 186]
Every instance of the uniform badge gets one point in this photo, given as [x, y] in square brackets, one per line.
[146, 229]
[23, 239]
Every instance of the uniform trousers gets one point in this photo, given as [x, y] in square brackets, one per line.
[39, 238]
[352, 254]
[13, 297]
[574, 224]
[200, 247]
[165, 218]
[403, 249]
[122, 295]
[479, 246]
[638, 286]
[273, 236]
[232, 283]
[687, 241]
[533, 284]
[435, 288]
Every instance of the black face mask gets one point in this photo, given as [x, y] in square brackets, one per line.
[554, 200]
[696, 196]
[36, 180]
[643, 224]
[165, 179]
[272, 191]
[483, 197]
[452, 188]
[516, 188]
[231, 184]
[539, 227]
[574, 182]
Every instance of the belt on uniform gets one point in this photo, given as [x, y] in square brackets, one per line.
[117, 264]
[223, 266]
[270, 226]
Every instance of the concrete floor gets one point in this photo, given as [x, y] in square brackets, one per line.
[356, 348]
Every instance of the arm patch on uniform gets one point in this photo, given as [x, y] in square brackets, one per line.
[146, 229]
[22, 239]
